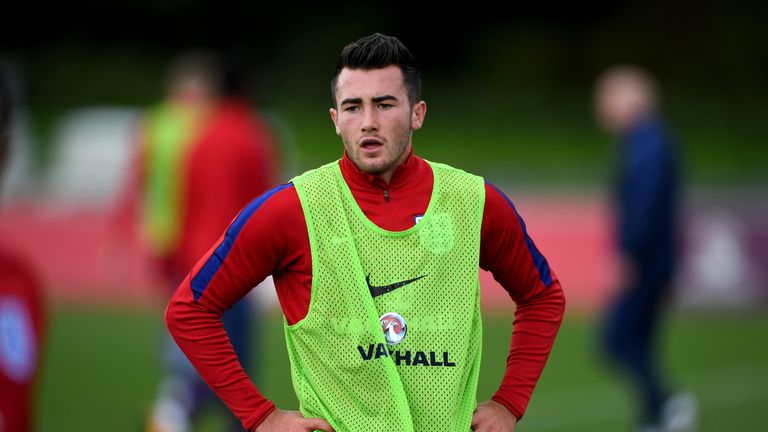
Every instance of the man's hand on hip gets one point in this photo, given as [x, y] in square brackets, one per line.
[292, 421]
[492, 416]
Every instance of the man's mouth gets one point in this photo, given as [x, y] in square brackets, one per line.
[371, 143]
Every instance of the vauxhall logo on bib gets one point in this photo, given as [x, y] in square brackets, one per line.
[394, 327]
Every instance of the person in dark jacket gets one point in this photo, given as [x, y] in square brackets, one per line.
[646, 205]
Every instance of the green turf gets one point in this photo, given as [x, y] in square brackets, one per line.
[101, 370]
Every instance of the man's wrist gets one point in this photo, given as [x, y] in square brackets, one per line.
[263, 416]
[518, 415]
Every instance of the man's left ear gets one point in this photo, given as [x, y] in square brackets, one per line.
[418, 112]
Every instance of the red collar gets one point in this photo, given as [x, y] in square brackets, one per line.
[402, 173]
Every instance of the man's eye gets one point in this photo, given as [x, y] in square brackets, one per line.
[385, 106]
[352, 108]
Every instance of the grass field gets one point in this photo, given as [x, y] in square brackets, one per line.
[101, 369]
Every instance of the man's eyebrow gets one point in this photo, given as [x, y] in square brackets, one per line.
[374, 99]
[383, 98]
[351, 101]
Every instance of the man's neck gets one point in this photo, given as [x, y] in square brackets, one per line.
[387, 176]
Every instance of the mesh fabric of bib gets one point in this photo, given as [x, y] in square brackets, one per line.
[342, 368]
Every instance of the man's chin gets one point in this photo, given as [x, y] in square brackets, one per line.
[373, 170]
[373, 166]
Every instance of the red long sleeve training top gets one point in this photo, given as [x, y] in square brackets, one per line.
[269, 236]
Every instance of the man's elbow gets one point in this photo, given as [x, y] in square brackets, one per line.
[172, 317]
[558, 299]
[179, 309]
[178, 312]
[553, 300]
[548, 305]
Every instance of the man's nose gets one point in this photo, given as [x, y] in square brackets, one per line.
[370, 120]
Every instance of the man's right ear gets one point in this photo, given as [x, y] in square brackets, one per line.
[334, 117]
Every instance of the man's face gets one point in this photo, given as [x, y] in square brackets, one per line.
[374, 118]
[621, 99]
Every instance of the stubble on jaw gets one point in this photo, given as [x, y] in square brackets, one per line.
[376, 167]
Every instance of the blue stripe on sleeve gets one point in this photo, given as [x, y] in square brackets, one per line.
[538, 259]
[203, 277]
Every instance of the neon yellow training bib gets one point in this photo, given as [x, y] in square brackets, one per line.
[167, 135]
[393, 336]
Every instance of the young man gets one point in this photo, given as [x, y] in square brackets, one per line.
[375, 260]
[647, 207]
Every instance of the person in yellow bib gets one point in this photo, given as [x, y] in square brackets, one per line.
[375, 258]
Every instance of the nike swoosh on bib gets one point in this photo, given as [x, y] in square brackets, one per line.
[379, 290]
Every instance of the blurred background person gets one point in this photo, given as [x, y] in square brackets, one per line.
[647, 200]
[203, 155]
[22, 314]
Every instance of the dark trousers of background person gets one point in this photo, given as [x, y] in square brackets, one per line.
[630, 335]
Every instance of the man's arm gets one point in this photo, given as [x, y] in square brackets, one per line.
[252, 247]
[508, 252]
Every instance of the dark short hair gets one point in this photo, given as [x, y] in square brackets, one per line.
[378, 51]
